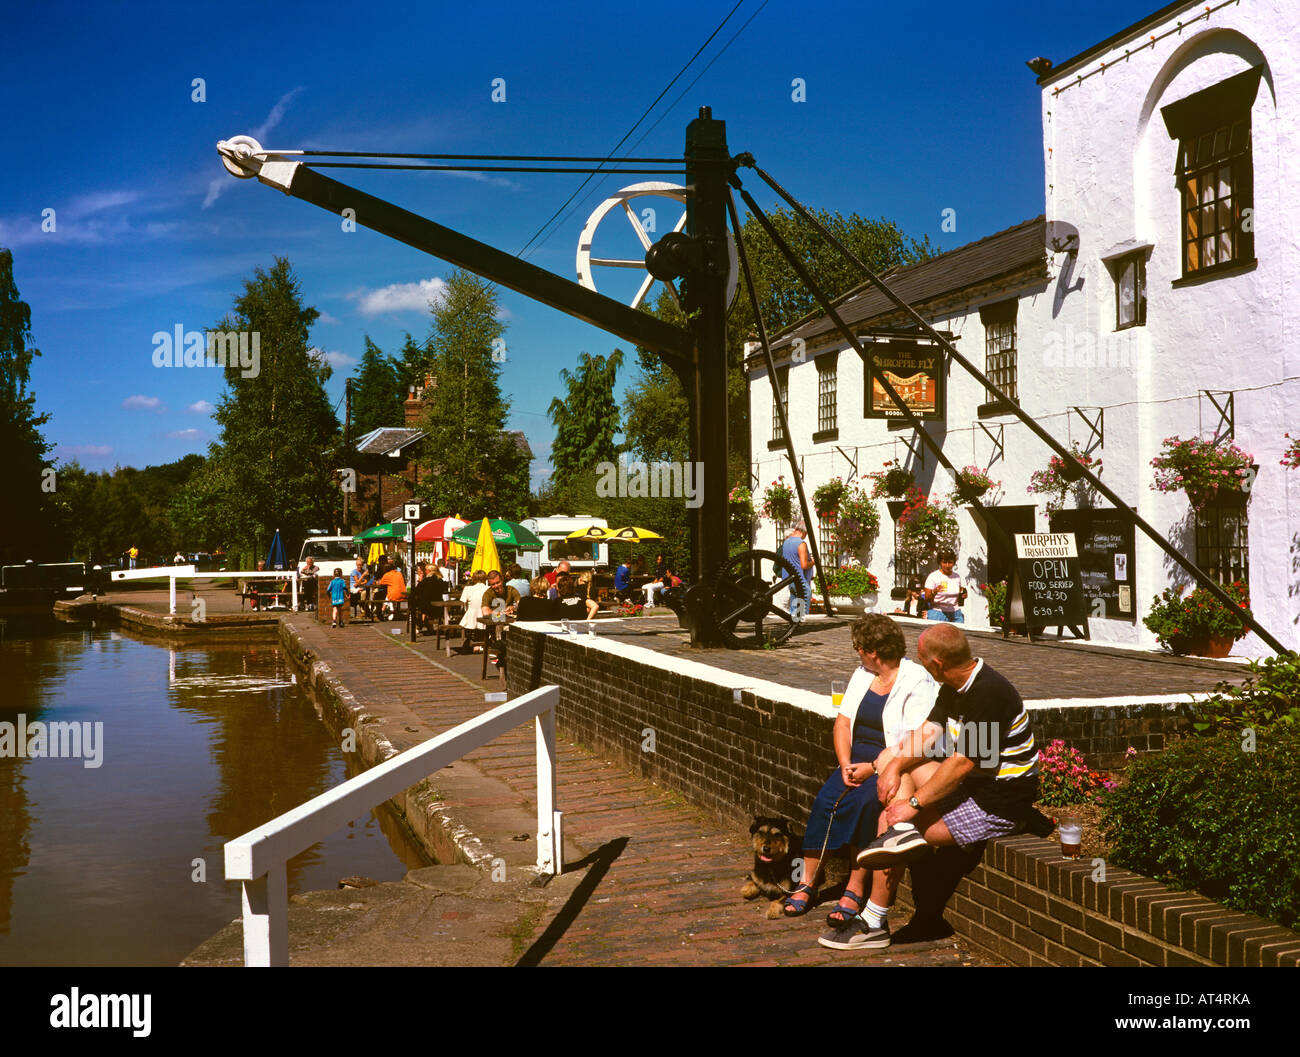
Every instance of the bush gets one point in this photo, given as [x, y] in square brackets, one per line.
[1206, 814]
[1184, 624]
[1269, 693]
[853, 581]
[996, 596]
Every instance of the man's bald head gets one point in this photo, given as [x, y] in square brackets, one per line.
[945, 643]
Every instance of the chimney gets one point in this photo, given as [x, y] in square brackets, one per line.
[414, 406]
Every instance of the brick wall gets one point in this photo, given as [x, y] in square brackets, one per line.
[738, 746]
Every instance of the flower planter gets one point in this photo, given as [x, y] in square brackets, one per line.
[1072, 471]
[864, 603]
[969, 493]
[1216, 646]
[897, 484]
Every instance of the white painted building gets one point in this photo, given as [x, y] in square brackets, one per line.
[1151, 302]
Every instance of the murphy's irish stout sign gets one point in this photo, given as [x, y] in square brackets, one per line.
[1047, 588]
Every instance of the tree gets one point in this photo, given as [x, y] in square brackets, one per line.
[271, 467]
[586, 420]
[377, 392]
[24, 483]
[470, 465]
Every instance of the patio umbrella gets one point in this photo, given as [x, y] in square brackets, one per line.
[395, 530]
[457, 551]
[486, 557]
[374, 553]
[504, 533]
[275, 556]
[592, 534]
[632, 534]
[440, 528]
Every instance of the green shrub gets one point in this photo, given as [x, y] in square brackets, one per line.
[1269, 693]
[1209, 815]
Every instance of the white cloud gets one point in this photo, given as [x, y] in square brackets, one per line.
[337, 360]
[185, 434]
[399, 297]
[85, 449]
[200, 407]
[220, 184]
[142, 403]
[325, 317]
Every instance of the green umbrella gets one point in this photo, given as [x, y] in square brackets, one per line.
[393, 531]
[504, 534]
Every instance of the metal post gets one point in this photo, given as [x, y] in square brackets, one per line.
[550, 854]
[706, 296]
[172, 610]
[266, 918]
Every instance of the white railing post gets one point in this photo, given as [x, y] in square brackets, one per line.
[173, 595]
[295, 591]
[550, 854]
[266, 918]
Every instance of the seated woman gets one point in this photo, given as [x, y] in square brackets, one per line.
[588, 592]
[887, 698]
[472, 596]
[574, 603]
[537, 606]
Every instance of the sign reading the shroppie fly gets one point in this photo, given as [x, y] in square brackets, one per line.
[1047, 585]
[915, 370]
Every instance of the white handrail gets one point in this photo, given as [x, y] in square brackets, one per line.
[187, 572]
[257, 859]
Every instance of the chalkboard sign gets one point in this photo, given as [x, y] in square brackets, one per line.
[1046, 587]
[1106, 553]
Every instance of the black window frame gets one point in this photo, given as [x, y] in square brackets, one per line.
[999, 319]
[1212, 133]
[828, 397]
[1139, 263]
[1227, 508]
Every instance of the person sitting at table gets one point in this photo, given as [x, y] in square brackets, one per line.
[574, 603]
[251, 589]
[472, 596]
[553, 576]
[393, 586]
[359, 580]
[430, 588]
[623, 581]
[537, 605]
[499, 601]
[518, 581]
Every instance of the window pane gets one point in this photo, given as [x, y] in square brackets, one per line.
[1207, 220]
[1193, 226]
[1193, 255]
[1225, 181]
[1207, 189]
[1225, 215]
[1207, 251]
[1238, 136]
[1203, 150]
[1127, 294]
[1225, 245]
[1221, 142]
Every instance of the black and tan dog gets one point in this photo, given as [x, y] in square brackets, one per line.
[776, 848]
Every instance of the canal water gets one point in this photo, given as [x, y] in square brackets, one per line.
[115, 857]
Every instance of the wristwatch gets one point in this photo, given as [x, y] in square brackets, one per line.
[916, 804]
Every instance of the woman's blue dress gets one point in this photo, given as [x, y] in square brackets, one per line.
[855, 820]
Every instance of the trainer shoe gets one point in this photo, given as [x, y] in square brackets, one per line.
[857, 935]
[896, 845]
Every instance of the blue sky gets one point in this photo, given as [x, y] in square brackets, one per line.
[910, 109]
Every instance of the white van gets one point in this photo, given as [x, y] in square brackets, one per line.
[329, 552]
[556, 548]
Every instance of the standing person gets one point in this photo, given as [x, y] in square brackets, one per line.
[985, 788]
[132, 555]
[795, 551]
[338, 588]
[308, 576]
[887, 698]
[944, 591]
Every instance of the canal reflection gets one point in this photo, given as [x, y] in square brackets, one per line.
[121, 863]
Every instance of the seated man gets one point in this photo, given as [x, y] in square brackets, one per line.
[944, 591]
[393, 586]
[985, 788]
[563, 569]
[499, 601]
[358, 580]
[623, 581]
[430, 588]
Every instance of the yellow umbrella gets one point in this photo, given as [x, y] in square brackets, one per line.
[632, 534]
[591, 534]
[456, 551]
[485, 550]
[372, 556]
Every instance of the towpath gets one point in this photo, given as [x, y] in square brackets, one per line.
[653, 881]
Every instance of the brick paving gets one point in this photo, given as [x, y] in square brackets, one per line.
[659, 880]
[1039, 670]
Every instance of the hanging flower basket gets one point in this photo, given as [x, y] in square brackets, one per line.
[1055, 481]
[924, 528]
[1291, 457]
[778, 501]
[891, 480]
[972, 483]
[859, 520]
[740, 507]
[1202, 469]
[828, 497]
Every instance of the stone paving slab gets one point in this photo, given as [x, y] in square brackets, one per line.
[652, 880]
[822, 650]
